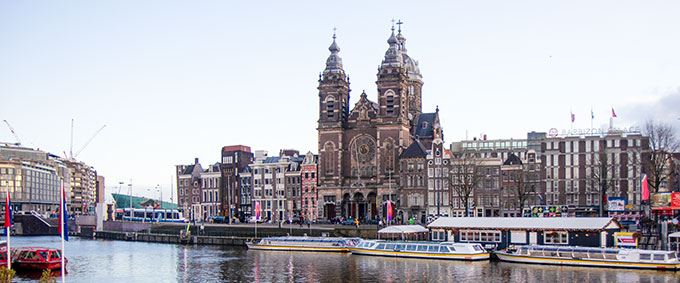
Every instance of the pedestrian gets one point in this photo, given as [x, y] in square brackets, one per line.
[380, 224]
[309, 224]
[356, 222]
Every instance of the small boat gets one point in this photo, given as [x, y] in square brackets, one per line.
[298, 243]
[429, 250]
[37, 258]
[595, 257]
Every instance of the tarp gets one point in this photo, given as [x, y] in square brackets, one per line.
[406, 229]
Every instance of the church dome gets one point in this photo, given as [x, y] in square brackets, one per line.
[334, 62]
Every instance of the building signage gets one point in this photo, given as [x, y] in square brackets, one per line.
[616, 203]
[591, 131]
[665, 200]
[549, 211]
[625, 240]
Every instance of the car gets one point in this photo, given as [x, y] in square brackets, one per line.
[348, 221]
[219, 219]
[373, 221]
[253, 219]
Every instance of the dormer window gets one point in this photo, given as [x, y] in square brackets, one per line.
[424, 125]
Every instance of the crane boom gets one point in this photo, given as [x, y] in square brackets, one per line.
[88, 141]
[15, 134]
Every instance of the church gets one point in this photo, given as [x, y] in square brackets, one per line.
[360, 149]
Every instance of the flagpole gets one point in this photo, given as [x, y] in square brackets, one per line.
[61, 219]
[9, 231]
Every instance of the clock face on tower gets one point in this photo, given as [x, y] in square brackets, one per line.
[364, 149]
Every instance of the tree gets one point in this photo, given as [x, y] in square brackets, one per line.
[663, 142]
[602, 176]
[525, 187]
[466, 174]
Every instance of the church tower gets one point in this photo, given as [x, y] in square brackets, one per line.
[333, 113]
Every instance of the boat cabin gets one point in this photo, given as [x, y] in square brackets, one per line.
[502, 232]
[632, 255]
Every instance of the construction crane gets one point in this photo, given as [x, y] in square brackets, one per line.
[88, 142]
[18, 143]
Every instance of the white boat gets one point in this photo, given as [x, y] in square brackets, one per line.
[597, 257]
[430, 250]
[297, 243]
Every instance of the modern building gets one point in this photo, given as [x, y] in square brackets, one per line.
[33, 179]
[583, 171]
[83, 187]
[359, 149]
[235, 159]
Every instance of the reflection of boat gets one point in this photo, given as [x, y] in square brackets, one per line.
[37, 258]
[432, 250]
[598, 257]
[296, 243]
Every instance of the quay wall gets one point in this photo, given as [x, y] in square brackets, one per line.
[172, 239]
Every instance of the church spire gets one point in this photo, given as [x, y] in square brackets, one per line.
[393, 56]
[334, 62]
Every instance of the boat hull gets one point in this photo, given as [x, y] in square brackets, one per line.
[468, 257]
[296, 248]
[504, 256]
[37, 266]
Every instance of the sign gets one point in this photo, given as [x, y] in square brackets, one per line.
[625, 240]
[549, 211]
[616, 203]
[675, 200]
[592, 131]
[660, 200]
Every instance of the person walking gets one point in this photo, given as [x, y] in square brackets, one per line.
[356, 222]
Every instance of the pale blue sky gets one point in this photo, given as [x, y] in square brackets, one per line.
[174, 80]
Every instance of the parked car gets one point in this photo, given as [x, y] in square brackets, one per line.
[373, 221]
[348, 221]
[219, 219]
[253, 220]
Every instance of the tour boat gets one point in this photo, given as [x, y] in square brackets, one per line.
[297, 243]
[37, 258]
[597, 257]
[430, 250]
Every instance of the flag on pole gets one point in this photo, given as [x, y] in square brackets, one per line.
[257, 210]
[573, 117]
[540, 197]
[63, 216]
[8, 211]
[592, 115]
[389, 211]
[645, 188]
[613, 113]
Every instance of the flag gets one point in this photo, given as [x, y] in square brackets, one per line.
[613, 113]
[540, 197]
[389, 211]
[592, 115]
[257, 210]
[8, 211]
[63, 216]
[645, 188]
[573, 117]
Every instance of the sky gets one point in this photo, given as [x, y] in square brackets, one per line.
[178, 80]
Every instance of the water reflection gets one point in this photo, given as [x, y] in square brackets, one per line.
[119, 261]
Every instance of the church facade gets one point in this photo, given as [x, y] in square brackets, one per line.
[359, 149]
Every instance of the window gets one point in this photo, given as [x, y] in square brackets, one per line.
[556, 238]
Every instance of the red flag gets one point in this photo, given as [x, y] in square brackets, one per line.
[645, 188]
[389, 211]
[613, 113]
[573, 117]
[8, 211]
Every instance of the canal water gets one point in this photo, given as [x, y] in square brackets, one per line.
[120, 261]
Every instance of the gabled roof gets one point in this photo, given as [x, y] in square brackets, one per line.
[415, 150]
[527, 223]
[424, 125]
[513, 160]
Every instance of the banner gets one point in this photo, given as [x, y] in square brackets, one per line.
[549, 211]
[660, 200]
[616, 203]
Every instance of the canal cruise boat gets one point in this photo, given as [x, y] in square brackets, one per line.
[37, 259]
[427, 250]
[593, 257]
[303, 243]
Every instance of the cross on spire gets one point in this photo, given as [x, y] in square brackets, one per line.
[399, 23]
[392, 24]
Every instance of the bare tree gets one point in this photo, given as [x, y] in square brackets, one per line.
[466, 175]
[526, 185]
[603, 175]
[663, 142]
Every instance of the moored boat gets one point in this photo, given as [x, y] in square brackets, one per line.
[594, 257]
[37, 258]
[429, 250]
[297, 243]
